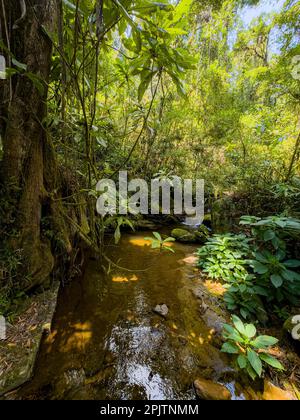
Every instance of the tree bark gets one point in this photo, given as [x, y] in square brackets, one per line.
[25, 148]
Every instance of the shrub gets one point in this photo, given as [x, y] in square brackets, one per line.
[245, 297]
[249, 349]
[257, 270]
[223, 256]
[157, 242]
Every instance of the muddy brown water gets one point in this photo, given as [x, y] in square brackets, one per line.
[107, 342]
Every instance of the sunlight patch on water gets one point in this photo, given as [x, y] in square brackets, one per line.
[139, 242]
[79, 339]
[123, 279]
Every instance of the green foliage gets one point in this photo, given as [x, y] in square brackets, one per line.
[245, 296]
[275, 275]
[275, 272]
[273, 229]
[10, 293]
[249, 349]
[256, 271]
[116, 222]
[223, 257]
[159, 243]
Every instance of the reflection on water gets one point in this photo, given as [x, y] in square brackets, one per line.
[107, 342]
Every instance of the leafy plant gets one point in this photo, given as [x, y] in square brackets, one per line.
[275, 275]
[282, 312]
[256, 270]
[159, 243]
[251, 351]
[223, 257]
[244, 296]
[273, 229]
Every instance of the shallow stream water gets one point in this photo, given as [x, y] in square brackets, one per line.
[108, 343]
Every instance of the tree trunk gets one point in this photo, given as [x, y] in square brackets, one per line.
[25, 148]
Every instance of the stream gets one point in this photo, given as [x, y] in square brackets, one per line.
[107, 343]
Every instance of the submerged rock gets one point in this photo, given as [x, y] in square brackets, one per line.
[209, 390]
[273, 393]
[161, 310]
[70, 380]
[183, 235]
[198, 235]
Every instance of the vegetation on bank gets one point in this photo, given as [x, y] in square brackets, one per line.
[260, 272]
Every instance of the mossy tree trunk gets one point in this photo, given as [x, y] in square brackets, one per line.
[26, 173]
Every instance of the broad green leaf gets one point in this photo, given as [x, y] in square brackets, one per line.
[292, 263]
[244, 313]
[230, 348]
[289, 275]
[155, 244]
[251, 372]
[255, 361]
[250, 330]
[271, 361]
[168, 248]
[228, 329]
[235, 337]
[242, 361]
[260, 268]
[19, 65]
[170, 239]
[269, 235]
[157, 236]
[239, 325]
[277, 280]
[117, 235]
[264, 341]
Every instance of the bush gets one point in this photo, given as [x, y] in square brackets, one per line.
[258, 270]
[223, 256]
[250, 350]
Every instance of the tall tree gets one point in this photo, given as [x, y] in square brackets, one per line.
[26, 151]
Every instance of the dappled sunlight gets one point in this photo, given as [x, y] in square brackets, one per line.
[193, 338]
[139, 242]
[79, 336]
[50, 339]
[169, 244]
[124, 279]
[75, 337]
[214, 287]
[142, 242]
[191, 260]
